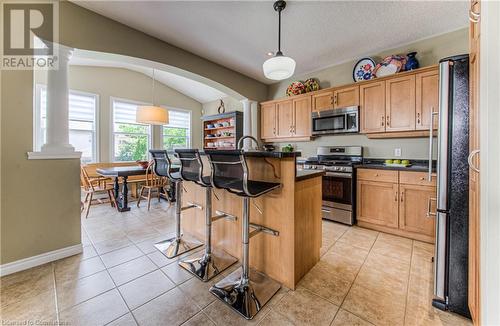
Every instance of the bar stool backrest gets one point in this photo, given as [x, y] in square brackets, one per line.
[228, 165]
[162, 163]
[191, 166]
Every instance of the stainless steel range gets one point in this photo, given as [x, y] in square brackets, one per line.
[338, 182]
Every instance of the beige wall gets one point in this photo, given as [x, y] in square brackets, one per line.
[123, 83]
[429, 52]
[40, 209]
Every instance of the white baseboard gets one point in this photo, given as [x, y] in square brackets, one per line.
[26, 263]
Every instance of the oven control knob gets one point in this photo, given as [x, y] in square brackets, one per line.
[343, 169]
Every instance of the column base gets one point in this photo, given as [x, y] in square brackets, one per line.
[51, 155]
[247, 300]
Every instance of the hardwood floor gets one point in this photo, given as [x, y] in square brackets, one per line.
[364, 277]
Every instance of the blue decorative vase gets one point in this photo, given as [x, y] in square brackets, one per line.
[411, 61]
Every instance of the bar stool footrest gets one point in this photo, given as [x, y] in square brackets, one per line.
[246, 299]
[208, 266]
[257, 228]
[191, 205]
[221, 214]
[176, 246]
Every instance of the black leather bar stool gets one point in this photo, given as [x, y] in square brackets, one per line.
[179, 244]
[213, 261]
[245, 290]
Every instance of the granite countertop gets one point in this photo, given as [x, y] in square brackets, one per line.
[308, 174]
[417, 165]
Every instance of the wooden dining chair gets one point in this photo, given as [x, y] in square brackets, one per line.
[153, 183]
[94, 186]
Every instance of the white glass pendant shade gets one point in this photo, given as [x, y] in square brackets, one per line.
[279, 67]
[152, 115]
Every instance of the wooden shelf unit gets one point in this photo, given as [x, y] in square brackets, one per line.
[230, 130]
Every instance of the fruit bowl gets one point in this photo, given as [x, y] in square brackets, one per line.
[142, 164]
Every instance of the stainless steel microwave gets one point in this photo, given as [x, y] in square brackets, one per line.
[335, 121]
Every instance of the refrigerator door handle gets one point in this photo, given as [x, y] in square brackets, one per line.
[431, 130]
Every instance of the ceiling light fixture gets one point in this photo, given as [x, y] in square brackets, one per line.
[152, 114]
[279, 67]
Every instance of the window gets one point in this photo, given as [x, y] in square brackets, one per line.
[131, 140]
[82, 122]
[177, 134]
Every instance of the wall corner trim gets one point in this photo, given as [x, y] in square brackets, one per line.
[26, 263]
[53, 156]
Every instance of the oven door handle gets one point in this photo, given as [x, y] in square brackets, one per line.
[339, 175]
[325, 210]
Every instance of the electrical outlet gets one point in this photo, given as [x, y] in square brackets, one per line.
[397, 152]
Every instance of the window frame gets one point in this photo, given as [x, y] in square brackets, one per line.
[37, 119]
[190, 143]
[112, 126]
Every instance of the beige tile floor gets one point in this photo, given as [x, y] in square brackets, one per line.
[363, 278]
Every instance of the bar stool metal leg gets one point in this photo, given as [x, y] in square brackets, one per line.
[246, 290]
[179, 244]
[213, 262]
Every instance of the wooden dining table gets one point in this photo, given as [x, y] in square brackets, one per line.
[124, 172]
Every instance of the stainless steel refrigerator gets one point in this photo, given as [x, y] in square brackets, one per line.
[451, 249]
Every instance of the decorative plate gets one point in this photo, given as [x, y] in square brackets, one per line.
[311, 85]
[363, 70]
[390, 65]
[295, 88]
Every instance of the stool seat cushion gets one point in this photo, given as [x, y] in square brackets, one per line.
[255, 188]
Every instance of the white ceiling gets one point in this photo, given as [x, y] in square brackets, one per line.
[194, 89]
[239, 34]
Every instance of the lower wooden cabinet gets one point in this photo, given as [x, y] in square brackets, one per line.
[396, 202]
[413, 204]
[377, 202]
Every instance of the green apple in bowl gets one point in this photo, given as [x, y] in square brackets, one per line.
[388, 161]
[405, 162]
[397, 161]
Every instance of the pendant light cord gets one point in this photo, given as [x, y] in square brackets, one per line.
[279, 32]
[153, 89]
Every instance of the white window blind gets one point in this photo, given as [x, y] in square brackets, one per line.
[177, 134]
[131, 140]
[82, 122]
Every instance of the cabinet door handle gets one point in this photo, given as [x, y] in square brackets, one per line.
[382, 121]
[469, 160]
[388, 121]
[474, 16]
[396, 196]
[429, 214]
[335, 99]
[402, 196]
[418, 117]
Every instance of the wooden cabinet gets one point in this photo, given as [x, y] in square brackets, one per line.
[474, 176]
[284, 113]
[413, 205]
[377, 202]
[288, 119]
[322, 100]
[400, 104]
[396, 202]
[302, 117]
[268, 120]
[372, 107]
[344, 97]
[426, 99]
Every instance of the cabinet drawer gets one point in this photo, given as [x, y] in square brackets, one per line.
[378, 175]
[416, 178]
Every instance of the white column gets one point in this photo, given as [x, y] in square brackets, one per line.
[57, 138]
[247, 123]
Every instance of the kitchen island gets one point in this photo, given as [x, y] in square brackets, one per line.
[294, 210]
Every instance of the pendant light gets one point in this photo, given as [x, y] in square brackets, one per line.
[151, 114]
[279, 67]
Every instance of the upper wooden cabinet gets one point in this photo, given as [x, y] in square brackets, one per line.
[426, 99]
[372, 107]
[322, 101]
[390, 107]
[268, 120]
[302, 117]
[400, 104]
[284, 121]
[288, 119]
[344, 97]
